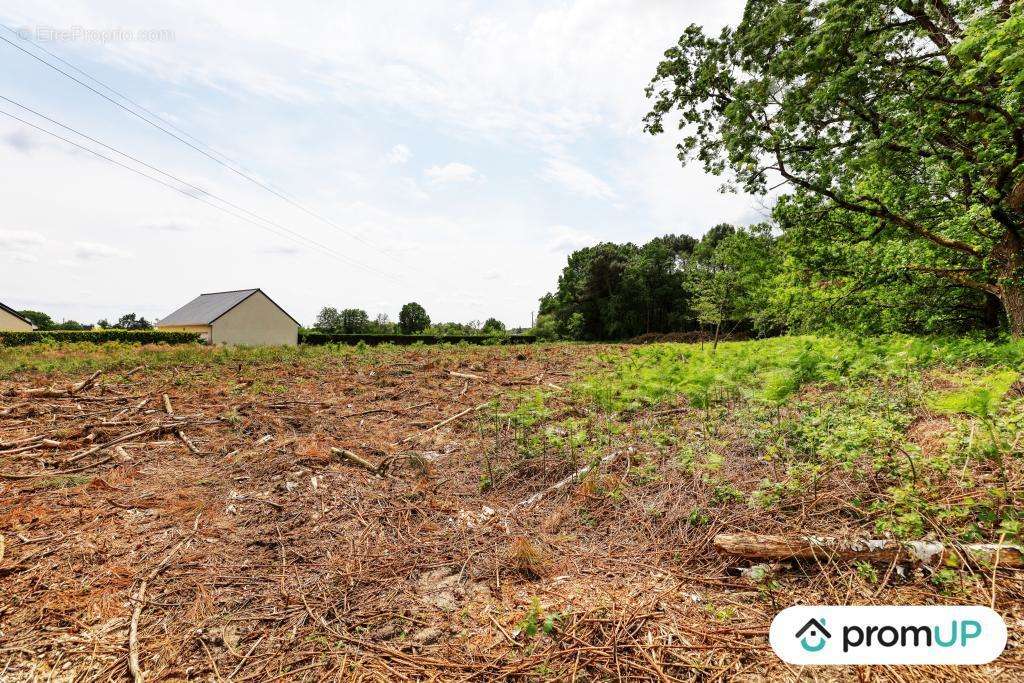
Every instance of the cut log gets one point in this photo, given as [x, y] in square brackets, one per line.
[824, 548]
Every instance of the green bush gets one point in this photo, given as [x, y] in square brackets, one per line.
[321, 338]
[97, 337]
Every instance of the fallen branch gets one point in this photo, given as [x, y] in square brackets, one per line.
[238, 667]
[21, 442]
[769, 547]
[133, 628]
[463, 375]
[52, 392]
[133, 636]
[131, 372]
[33, 445]
[181, 435]
[442, 423]
[575, 476]
[357, 460]
[10, 409]
[55, 473]
[119, 440]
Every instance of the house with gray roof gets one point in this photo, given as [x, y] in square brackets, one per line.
[241, 317]
[12, 321]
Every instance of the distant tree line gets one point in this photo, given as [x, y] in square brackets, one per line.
[128, 321]
[674, 283]
[764, 279]
[412, 319]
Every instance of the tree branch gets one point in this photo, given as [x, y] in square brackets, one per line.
[880, 212]
[959, 276]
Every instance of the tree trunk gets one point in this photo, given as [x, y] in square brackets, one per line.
[1013, 301]
[1009, 257]
[823, 549]
[992, 312]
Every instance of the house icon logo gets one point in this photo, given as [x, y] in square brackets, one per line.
[813, 635]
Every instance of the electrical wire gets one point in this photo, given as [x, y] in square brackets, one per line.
[175, 178]
[177, 137]
[287, 232]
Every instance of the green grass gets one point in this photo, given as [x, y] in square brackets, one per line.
[774, 370]
[64, 481]
[812, 413]
[977, 395]
[78, 358]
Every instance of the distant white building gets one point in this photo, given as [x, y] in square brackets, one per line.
[241, 317]
[12, 321]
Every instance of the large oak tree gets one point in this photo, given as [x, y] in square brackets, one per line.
[908, 115]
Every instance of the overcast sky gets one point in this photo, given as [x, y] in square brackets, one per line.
[459, 150]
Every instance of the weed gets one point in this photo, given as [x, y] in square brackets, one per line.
[527, 559]
[866, 571]
[537, 621]
[62, 481]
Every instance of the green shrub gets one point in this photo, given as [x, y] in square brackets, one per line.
[97, 337]
[321, 338]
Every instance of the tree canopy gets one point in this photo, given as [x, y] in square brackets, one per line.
[132, 321]
[493, 326]
[673, 283]
[413, 318]
[41, 320]
[897, 125]
[354, 321]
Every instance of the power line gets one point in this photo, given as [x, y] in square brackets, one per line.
[289, 234]
[191, 186]
[120, 94]
[177, 137]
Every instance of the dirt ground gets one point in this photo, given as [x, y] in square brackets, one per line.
[216, 535]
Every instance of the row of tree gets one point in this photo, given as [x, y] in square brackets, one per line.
[762, 279]
[412, 319]
[128, 321]
[674, 283]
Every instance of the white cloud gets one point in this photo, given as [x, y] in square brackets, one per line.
[170, 225]
[282, 250]
[22, 257]
[565, 239]
[453, 172]
[413, 189]
[399, 154]
[94, 251]
[576, 179]
[15, 239]
[21, 140]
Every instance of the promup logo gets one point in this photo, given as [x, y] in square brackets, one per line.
[888, 635]
[815, 632]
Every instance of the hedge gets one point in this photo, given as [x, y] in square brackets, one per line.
[97, 337]
[319, 338]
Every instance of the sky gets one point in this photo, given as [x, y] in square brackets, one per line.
[448, 153]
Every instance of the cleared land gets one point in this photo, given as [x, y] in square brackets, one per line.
[334, 513]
